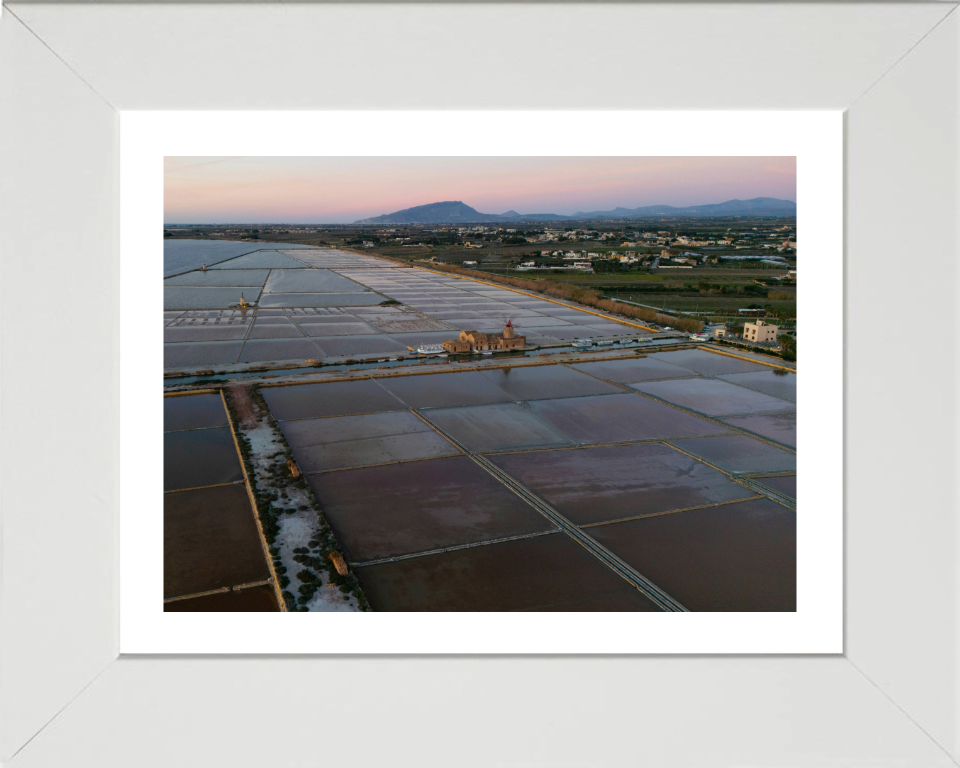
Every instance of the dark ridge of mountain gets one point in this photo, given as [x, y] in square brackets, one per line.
[757, 206]
[448, 212]
[545, 217]
[457, 212]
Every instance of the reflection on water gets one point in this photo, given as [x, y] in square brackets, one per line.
[735, 557]
[544, 573]
[617, 482]
[210, 541]
[432, 504]
[253, 599]
[199, 458]
[335, 398]
[184, 255]
[213, 377]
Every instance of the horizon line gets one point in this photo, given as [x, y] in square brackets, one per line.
[568, 216]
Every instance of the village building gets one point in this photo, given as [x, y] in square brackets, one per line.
[474, 341]
[760, 331]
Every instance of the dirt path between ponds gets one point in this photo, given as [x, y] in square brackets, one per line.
[246, 411]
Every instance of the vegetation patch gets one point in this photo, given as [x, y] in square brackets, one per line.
[298, 535]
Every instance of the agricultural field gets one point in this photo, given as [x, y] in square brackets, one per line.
[704, 304]
[707, 292]
[714, 294]
[718, 275]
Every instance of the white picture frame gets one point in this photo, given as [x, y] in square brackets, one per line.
[65, 696]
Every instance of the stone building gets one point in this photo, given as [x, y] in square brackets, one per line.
[457, 346]
[474, 341]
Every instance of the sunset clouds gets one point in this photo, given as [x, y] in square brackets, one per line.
[343, 189]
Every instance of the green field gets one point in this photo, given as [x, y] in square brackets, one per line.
[701, 303]
[692, 276]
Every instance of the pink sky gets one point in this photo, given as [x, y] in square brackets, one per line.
[299, 190]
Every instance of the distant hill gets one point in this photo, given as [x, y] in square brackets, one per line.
[758, 206]
[457, 212]
[449, 212]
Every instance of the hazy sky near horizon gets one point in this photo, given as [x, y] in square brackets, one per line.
[306, 190]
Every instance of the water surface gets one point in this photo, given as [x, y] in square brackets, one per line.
[184, 255]
[544, 573]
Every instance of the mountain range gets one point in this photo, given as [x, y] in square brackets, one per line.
[457, 212]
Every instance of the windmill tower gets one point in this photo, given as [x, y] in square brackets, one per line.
[508, 330]
[509, 338]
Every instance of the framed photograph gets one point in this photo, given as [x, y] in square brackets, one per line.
[427, 438]
[417, 453]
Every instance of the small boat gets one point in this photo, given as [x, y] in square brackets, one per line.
[430, 349]
[486, 353]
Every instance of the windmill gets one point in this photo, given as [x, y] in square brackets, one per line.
[509, 339]
[507, 321]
